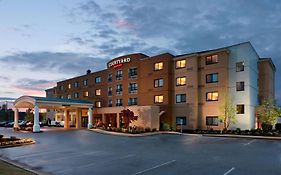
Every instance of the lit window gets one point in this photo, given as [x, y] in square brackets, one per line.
[132, 101]
[133, 88]
[158, 83]
[86, 94]
[212, 96]
[85, 82]
[180, 64]
[180, 98]
[133, 73]
[68, 96]
[240, 86]
[240, 66]
[158, 66]
[212, 78]
[69, 86]
[98, 104]
[158, 99]
[212, 121]
[97, 80]
[212, 59]
[119, 102]
[119, 74]
[240, 109]
[180, 120]
[181, 81]
[98, 92]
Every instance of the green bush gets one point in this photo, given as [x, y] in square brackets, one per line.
[238, 131]
[154, 129]
[147, 129]
[166, 127]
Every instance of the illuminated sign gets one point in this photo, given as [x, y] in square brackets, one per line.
[118, 63]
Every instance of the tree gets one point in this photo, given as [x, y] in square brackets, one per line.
[228, 112]
[128, 117]
[29, 115]
[268, 114]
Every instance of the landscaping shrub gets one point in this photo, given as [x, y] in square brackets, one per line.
[1, 136]
[238, 131]
[154, 129]
[278, 126]
[166, 127]
[266, 127]
[147, 129]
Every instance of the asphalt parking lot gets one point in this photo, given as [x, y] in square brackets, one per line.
[86, 152]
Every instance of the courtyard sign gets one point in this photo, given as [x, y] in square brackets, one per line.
[118, 63]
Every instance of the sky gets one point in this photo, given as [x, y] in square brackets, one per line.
[42, 42]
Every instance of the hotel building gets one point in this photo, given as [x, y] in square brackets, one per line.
[183, 89]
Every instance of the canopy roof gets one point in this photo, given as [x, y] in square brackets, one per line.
[44, 102]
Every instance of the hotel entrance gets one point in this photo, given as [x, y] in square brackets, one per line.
[110, 120]
[84, 121]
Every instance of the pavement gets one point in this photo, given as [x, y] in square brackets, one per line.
[86, 152]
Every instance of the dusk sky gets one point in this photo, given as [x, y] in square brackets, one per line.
[42, 42]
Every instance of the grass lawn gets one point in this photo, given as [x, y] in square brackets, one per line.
[8, 169]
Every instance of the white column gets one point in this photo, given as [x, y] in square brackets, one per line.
[90, 115]
[78, 118]
[66, 119]
[36, 126]
[16, 118]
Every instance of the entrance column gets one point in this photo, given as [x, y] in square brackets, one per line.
[16, 118]
[103, 118]
[36, 126]
[118, 120]
[77, 119]
[90, 116]
[66, 119]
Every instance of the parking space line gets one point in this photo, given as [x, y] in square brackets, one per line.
[40, 153]
[229, 171]
[245, 144]
[157, 166]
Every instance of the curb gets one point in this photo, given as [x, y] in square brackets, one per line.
[15, 145]
[21, 166]
[141, 135]
[243, 136]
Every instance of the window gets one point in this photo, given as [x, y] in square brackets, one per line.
[158, 99]
[85, 82]
[61, 97]
[109, 91]
[98, 92]
[158, 83]
[212, 59]
[239, 66]
[158, 66]
[181, 81]
[69, 86]
[109, 79]
[180, 98]
[98, 104]
[119, 102]
[133, 73]
[86, 94]
[61, 88]
[109, 103]
[240, 86]
[240, 109]
[76, 84]
[180, 120]
[119, 89]
[119, 75]
[133, 88]
[69, 96]
[97, 80]
[212, 78]
[212, 121]
[76, 95]
[180, 64]
[132, 101]
[212, 96]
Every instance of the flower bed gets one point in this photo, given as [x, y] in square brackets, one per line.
[14, 141]
[130, 130]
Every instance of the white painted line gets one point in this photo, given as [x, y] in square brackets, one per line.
[249, 142]
[157, 166]
[91, 164]
[41, 153]
[229, 171]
